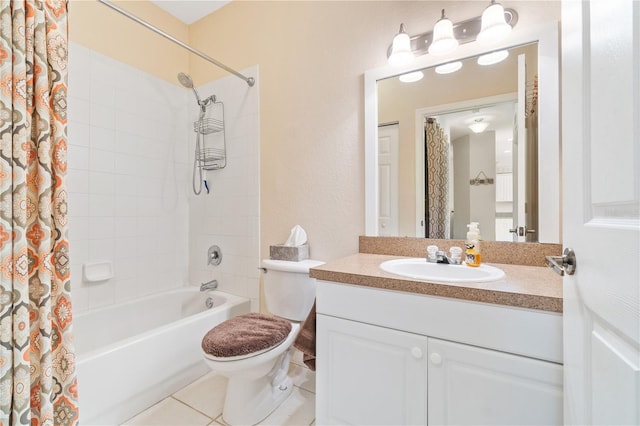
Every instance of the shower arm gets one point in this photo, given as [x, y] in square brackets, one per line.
[249, 80]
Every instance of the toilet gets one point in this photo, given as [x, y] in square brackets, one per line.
[253, 351]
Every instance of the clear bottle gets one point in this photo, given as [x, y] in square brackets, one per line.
[472, 254]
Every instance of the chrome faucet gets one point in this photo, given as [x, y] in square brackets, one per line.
[441, 257]
[209, 285]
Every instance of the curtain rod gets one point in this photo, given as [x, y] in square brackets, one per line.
[250, 80]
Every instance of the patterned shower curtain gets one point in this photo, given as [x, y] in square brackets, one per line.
[37, 363]
[437, 180]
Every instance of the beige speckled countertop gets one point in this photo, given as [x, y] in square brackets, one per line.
[532, 287]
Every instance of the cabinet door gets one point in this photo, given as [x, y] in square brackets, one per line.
[369, 375]
[471, 385]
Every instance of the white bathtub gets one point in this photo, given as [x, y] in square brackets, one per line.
[132, 355]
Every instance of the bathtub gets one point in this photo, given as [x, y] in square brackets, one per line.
[132, 355]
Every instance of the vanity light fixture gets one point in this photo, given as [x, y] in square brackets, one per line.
[401, 53]
[494, 25]
[405, 48]
[411, 77]
[493, 57]
[443, 39]
[479, 125]
[448, 68]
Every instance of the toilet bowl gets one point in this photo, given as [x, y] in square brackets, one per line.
[257, 378]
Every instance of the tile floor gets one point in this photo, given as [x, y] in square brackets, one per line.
[200, 403]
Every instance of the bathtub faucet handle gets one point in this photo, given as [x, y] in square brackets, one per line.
[209, 285]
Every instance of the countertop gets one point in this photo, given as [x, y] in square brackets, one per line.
[532, 287]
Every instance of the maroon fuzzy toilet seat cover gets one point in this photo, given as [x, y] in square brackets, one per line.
[245, 334]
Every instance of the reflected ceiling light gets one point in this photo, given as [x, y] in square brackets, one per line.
[494, 25]
[411, 77]
[401, 53]
[479, 125]
[443, 39]
[449, 68]
[493, 57]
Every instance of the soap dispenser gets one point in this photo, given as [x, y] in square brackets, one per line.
[472, 244]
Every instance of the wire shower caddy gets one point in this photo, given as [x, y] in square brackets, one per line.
[211, 152]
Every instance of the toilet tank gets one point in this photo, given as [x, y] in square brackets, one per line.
[288, 290]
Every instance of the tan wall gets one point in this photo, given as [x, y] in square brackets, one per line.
[312, 56]
[99, 28]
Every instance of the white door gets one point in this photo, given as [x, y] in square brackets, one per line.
[601, 219]
[519, 151]
[472, 386]
[373, 375]
[388, 180]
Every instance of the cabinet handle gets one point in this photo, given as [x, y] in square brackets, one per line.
[436, 358]
[416, 352]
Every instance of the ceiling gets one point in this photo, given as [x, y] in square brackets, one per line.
[189, 11]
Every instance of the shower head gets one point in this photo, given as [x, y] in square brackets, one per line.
[187, 82]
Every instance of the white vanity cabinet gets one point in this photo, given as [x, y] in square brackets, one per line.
[468, 385]
[394, 358]
[371, 375]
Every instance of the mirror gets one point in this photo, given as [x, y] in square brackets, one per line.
[475, 179]
[438, 112]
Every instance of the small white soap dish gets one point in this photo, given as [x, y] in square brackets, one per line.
[98, 270]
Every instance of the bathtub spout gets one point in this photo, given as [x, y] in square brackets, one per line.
[210, 285]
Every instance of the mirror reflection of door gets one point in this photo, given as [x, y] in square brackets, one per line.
[388, 135]
[525, 158]
[519, 150]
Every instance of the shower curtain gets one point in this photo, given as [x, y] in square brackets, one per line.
[37, 363]
[437, 180]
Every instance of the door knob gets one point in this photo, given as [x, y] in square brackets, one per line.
[416, 352]
[521, 231]
[563, 264]
[436, 358]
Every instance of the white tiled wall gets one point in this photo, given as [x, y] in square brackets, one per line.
[130, 200]
[229, 215]
[127, 169]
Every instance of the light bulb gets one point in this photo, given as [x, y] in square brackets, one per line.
[448, 68]
[411, 77]
[478, 126]
[443, 39]
[401, 53]
[493, 57]
[494, 26]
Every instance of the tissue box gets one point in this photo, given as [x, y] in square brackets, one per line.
[282, 252]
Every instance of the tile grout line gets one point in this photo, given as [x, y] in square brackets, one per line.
[194, 409]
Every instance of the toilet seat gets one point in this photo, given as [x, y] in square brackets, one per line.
[245, 336]
[241, 357]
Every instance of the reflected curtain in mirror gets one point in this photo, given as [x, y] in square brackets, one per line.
[436, 181]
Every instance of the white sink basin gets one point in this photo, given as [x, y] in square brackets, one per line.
[420, 269]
